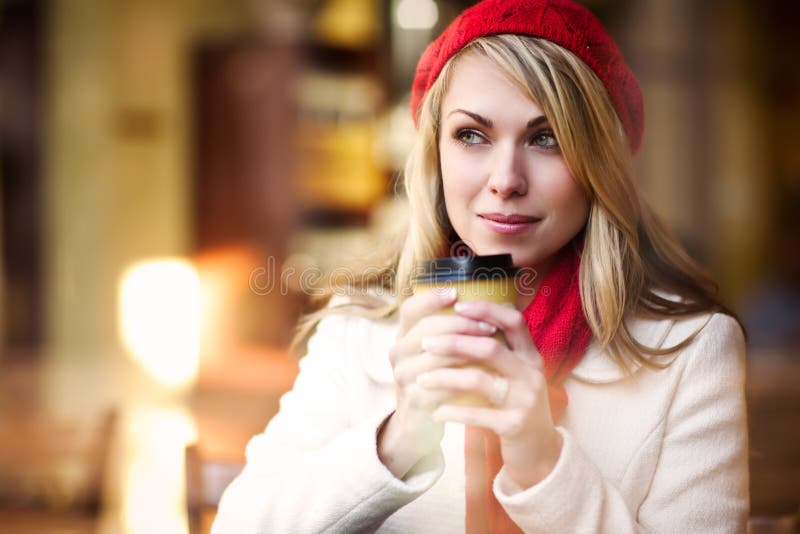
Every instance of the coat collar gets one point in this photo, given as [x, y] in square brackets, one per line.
[597, 367]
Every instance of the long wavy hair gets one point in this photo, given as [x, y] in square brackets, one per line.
[631, 264]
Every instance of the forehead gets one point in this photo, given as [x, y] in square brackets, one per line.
[480, 85]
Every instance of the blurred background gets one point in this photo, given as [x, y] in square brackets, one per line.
[179, 177]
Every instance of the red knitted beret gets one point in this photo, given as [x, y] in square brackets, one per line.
[563, 22]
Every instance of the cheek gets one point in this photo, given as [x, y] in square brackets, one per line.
[459, 181]
[453, 162]
[575, 202]
[454, 200]
[578, 211]
[567, 196]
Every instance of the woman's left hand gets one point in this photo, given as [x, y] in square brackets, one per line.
[530, 444]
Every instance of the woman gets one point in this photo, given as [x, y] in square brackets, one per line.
[617, 396]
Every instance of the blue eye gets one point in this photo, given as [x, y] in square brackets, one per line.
[545, 139]
[469, 137]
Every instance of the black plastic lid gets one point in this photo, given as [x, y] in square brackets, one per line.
[455, 268]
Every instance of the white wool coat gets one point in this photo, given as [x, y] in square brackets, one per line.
[655, 451]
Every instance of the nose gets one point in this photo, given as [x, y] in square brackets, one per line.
[507, 175]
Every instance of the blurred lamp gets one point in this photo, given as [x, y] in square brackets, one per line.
[416, 14]
[159, 314]
[153, 496]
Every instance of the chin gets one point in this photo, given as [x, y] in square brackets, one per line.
[527, 256]
[488, 250]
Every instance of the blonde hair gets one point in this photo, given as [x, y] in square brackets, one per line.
[629, 261]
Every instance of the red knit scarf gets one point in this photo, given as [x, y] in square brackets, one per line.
[560, 332]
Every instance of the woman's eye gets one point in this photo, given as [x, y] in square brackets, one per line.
[545, 139]
[469, 137]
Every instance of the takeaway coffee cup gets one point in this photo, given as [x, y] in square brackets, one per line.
[487, 278]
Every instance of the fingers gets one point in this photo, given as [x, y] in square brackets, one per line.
[407, 370]
[524, 402]
[510, 424]
[409, 360]
[441, 324]
[505, 318]
[423, 315]
[424, 398]
[455, 380]
[487, 351]
[411, 390]
[422, 304]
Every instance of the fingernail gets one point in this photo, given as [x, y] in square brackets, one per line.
[461, 306]
[486, 327]
[446, 293]
[425, 343]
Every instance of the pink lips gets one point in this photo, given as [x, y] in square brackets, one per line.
[508, 224]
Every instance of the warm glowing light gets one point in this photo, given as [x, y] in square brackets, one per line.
[154, 498]
[417, 14]
[159, 312]
[348, 23]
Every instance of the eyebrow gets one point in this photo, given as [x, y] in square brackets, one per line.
[533, 123]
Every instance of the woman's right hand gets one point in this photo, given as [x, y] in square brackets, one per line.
[410, 433]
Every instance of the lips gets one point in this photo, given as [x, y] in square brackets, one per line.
[509, 224]
[509, 219]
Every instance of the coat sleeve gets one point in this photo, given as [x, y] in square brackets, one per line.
[313, 469]
[701, 479]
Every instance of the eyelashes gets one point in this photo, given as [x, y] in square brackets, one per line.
[468, 137]
[543, 139]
